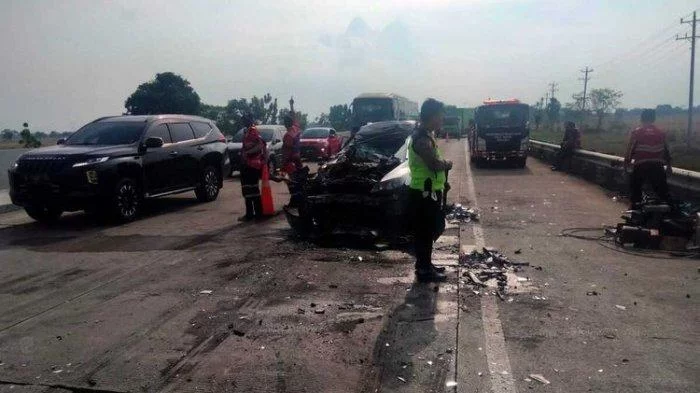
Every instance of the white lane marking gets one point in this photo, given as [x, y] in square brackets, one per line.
[495, 343]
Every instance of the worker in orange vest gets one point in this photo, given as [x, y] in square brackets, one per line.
[254, 153]
[647, 153]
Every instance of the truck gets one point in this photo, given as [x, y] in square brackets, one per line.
[501, 133]
[376, 107]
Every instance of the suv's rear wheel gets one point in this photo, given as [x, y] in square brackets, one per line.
[126, 201]
[45, 214]
[208, 189]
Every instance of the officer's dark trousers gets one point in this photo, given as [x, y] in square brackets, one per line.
[652, 172]
[564, 156]
[424, 213]
[250, 178]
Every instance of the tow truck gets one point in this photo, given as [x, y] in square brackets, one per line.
[501, 133]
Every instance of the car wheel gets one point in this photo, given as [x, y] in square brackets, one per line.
[480, 162]
[44, 214]
[126, 201]
[208, 189]
[520, 162]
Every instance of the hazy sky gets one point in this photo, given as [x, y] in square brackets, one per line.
[68, 62]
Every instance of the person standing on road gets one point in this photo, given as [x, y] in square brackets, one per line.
[291, 156]
[428, 178]
[254, 154]
[571, 142]
[647, 153]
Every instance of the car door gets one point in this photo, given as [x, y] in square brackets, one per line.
[157, 161]
[185, 164]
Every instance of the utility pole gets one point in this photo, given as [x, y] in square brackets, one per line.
[691, 38]
[585, 79]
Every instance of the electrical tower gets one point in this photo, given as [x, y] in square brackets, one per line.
[585, 79]
[553, 87]
[692, 37]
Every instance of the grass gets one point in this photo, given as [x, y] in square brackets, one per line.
[615, 143]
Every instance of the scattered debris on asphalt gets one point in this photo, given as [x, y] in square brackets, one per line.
[401, 379]
[238, 333]
[621, 307]
[592, 293]
[539, 378]
[519, 251]
[451, 384]
[320, 311]
[458, 214]
[488, 269]
[610, 336]
[206, 292]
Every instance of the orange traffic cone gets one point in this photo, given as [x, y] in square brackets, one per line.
[268, 207]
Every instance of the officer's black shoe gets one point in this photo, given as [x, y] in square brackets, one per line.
[430, 275]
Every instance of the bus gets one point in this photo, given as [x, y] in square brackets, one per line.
[375, 107]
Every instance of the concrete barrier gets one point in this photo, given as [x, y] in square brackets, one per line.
[606, 170]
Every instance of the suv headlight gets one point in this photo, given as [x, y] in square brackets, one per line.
[480, 144]
[90, 161]
[14, 165]
[389, 185]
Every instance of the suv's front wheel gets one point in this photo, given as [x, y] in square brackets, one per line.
[126, 201]
[44, 214]
[208, 189]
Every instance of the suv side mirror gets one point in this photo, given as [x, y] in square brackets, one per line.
[153, 142]
[61, 141]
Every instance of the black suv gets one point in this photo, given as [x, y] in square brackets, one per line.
[111, 164]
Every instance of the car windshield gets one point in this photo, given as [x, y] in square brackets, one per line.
[108, 133]
[312, 133]
[266, 133]
[238, 137]
[502, 115]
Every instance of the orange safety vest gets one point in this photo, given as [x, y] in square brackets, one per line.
[649, 145]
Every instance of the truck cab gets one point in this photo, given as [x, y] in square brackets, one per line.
[501, 133]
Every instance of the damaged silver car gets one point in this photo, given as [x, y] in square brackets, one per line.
[363, 190]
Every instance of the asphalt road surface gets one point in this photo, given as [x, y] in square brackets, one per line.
[187, 299]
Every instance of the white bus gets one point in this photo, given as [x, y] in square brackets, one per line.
[375, 107]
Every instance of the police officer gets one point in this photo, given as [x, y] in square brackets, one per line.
[647, 152]
[254, 153]
[428, 180]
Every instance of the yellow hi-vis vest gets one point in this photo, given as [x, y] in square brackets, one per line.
[420, 172]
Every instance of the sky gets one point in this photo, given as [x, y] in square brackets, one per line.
[68, 62]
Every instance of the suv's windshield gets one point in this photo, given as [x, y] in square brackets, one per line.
[311, 133]
[108, 133]
[385, 144]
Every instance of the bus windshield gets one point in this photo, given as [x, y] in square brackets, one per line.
[371, 110]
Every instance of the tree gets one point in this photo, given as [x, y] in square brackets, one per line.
[264, 109]
[604, 101]
[167, 93]
[302, 118]
[553, 108]
[40, 134]
[7, 134]
[322, 120]
[340, 117]
[27, 139]
[212, 112]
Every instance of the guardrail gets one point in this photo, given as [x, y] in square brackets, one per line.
[607, 170]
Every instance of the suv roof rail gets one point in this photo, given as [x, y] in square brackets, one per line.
[101, 118]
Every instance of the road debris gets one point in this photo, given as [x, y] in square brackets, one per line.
[592, 293]
[539, 378]
[451, 384]
[238, 333]
[621, 307]
[489, 268]
[206, 292]
[518, 251]
[320, 311]
[458, 214]
[401, 379]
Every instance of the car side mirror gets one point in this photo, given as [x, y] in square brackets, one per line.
[61, 141]
[153, 142]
